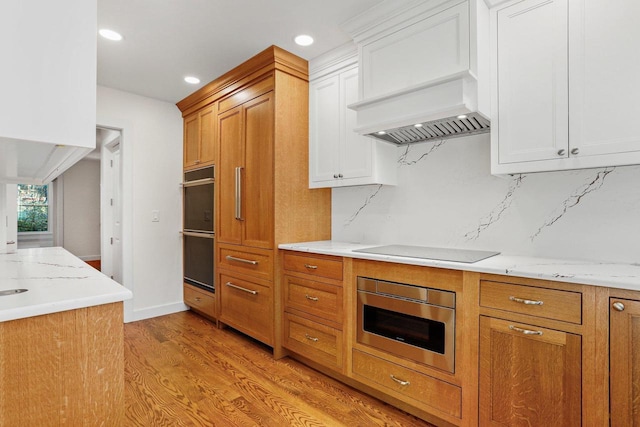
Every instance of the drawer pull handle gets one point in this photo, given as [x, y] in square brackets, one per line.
[524, 331]
[197, 299]
[526, 301]
[310, 338]
[246, 261]
[399, 381]
[310, 298]
[240, 288]
[311, 267]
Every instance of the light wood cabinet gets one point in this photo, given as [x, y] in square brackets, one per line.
[422, 391]
[529, 375]
[262, 195]
[63, 369]
[246, 173]
[246, 304]
[565, 100]
[624, 337]
[338, 156]
[199, 138]
[313, 307]
[200, 301]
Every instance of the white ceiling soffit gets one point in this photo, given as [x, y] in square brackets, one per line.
[166, 41]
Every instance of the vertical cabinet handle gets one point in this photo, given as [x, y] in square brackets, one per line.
[239, 193]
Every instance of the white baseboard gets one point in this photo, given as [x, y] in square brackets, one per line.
[159, 310]
[90, 257]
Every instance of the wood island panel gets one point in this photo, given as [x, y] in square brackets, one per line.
[63, 369]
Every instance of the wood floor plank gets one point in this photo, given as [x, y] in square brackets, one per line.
[180, 370]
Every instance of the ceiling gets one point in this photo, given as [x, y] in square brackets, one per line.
[166, 40]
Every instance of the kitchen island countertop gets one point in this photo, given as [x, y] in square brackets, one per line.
[622, 276]
[56, 281]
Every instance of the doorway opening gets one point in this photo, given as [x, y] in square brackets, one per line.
[111, 202]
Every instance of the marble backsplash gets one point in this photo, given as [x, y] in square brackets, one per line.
[446, 196]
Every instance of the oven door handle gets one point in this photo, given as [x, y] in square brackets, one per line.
[196, 234]
[197, 182]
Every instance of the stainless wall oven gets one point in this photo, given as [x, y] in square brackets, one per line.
[409, 321]
[198, 227]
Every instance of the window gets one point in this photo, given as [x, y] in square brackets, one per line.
[33, 208]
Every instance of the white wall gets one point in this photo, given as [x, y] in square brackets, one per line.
[447, 197]
[81, 209]
[151, 150]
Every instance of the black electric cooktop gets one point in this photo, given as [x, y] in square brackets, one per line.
[441, 254]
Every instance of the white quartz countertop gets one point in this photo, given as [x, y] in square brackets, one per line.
[622, 276]
[56, 281]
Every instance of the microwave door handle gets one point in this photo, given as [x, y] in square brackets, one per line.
[239, 193]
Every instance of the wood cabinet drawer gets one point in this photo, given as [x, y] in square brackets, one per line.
[320, 343]
[246, 306]
[319, 299]
[200, 300]
[415, 388]
[257, 262]
[329, 267]
[553, 304]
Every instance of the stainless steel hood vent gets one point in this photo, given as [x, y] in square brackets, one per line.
[451, 127]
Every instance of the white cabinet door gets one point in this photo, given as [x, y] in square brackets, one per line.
[604, 65]
[531, 112]
[338, 156]
[324, 131]
[356, 150]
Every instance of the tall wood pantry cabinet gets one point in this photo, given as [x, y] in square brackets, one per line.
[262, 197]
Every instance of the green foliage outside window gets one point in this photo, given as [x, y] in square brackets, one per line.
[33, 207]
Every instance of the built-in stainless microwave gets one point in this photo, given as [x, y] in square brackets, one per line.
[198, 227]
[409, 321]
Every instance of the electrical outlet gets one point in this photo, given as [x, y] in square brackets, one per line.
[155, 216]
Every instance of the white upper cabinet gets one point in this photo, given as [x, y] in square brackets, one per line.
[338, 156]
[47, 87]
[563, 93]
[604, 66]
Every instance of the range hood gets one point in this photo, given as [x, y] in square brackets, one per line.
[423, 70]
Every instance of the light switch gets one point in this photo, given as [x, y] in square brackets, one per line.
[155, 216]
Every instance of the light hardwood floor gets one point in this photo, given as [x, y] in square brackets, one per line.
[180, 370]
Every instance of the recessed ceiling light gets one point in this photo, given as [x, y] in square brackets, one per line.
[417, 125]
[192, 80]
[304, 40]
[381, 132]
[110, 34]
[462, 116]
